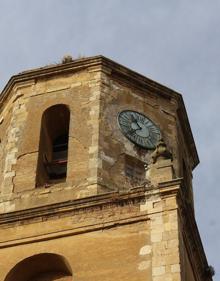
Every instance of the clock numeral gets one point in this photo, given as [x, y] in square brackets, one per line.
[141, 118]
[127, 117]
[122, 122]
[151, 144]
[146, 122]
[133, 118]
[152, 128]
[142, 141]
[135, 137]
[137, 116]
[131, 132]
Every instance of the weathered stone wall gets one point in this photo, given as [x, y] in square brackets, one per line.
[113, 145]
[20, 132]
[131, 240]
[13, 115]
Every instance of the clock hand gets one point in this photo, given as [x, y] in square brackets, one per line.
[132, 131]
[134, 120]
[138, 126]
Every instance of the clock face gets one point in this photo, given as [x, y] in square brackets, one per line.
[139, 129]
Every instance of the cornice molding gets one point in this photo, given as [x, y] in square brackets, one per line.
[133, 195]
[67, 207]
[116, 71]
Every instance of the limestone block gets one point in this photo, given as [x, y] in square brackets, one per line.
[158, 270]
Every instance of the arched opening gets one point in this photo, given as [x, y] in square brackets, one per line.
[53, 146]
[41, 267]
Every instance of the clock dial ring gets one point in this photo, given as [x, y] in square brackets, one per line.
[139, 129]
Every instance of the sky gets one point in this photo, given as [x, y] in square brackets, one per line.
[174, 42]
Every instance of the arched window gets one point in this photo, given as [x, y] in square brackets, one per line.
[53, 146]
[41, 267]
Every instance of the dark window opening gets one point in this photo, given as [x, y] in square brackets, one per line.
[57, 168]
[41, 267]
[53, 147]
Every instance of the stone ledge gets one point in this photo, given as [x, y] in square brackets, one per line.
[134, 195]
[99, 201]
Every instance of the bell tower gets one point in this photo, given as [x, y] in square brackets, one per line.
[96, 177]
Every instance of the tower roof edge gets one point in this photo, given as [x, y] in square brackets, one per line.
[115, 69]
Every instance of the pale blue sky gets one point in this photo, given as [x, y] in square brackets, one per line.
[176, 43]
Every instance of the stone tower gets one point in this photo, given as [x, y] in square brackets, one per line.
[96, 177]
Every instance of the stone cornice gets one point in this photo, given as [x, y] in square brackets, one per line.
[81, 207]
[133, 195]
[67, 207]
[90, 62]
[75, 208]
[116, 71]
